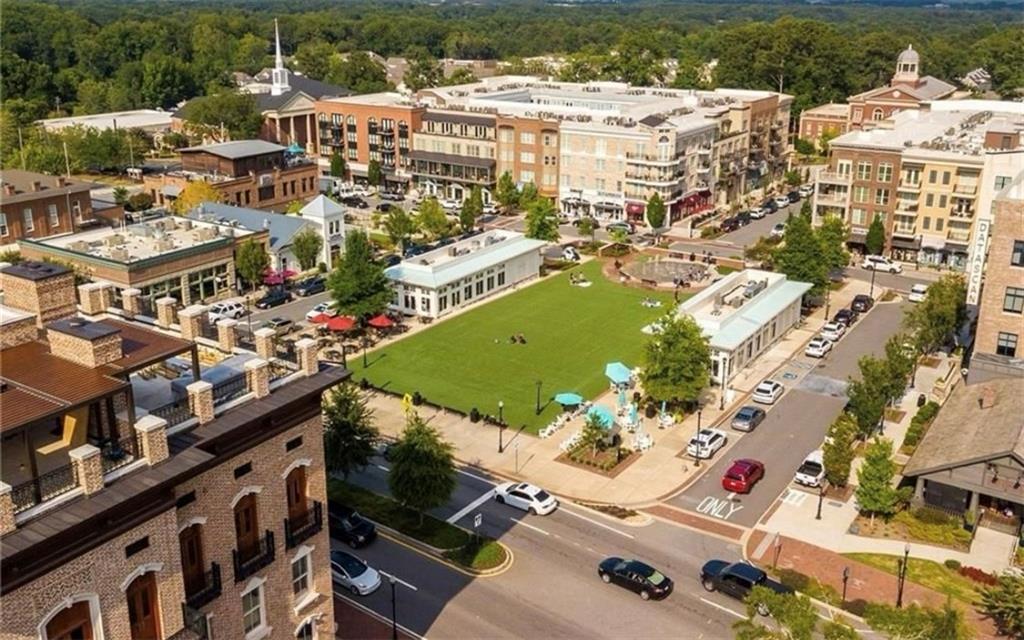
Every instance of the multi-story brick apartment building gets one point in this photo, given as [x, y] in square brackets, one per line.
[829, 120]
[246, 173]
[920, 171]
[453, 152]
[129, 512]
[35, 205]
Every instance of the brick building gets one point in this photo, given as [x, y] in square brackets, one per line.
[907, 90]
[35, 205]
[828, 120]
[129, 512]
[454, 152]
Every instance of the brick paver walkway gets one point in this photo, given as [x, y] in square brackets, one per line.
[355, 624]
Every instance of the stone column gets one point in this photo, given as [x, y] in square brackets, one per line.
[132, 303]
[165, 312]
[264, 339]
[88, 468]
[7, 522]
[308, 363]
[186, 293]
[226, 337]
[191, 320]
[153, 433]
[257, 377]
[200, 400]
[94, 297]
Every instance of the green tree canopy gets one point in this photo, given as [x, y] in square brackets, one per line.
[251, 261]
[588, 227]
[338, 168]
[350, 435]
[359, 73]
[875, 492]
[838, 451]
[358, 285]
[374, 174]
[656, 212]
[1004, 604]
[422, 468]
[194, 194]
[236, 112]
[795, 616]
[542, 221]
[832, 236]
[307, 245]
[915, 622]
[432, 219]
[800, 255]
[400, 226]
[869, 394]
[423, 71]
[677, 361]
[506, 193]
[875, 239]
[472, 208]
[935, 320]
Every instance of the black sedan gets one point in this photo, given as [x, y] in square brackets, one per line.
[274, 298]
[861, 303]
[355, 202]
[635, 576]
[311, 286]
[845, 317]
[347, 525]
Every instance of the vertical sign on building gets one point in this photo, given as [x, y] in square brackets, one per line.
[976, 261]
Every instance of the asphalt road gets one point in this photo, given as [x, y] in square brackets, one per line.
[749, 234]
[794, 426]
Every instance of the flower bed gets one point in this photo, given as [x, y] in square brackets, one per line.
[918, 525]
[605, 462]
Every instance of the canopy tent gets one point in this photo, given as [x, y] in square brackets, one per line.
[321, 318]
[272, 277]
[380, 322]
[295, 149]
[604, 416]
[341, 323]
[569, 399]
[618, 373]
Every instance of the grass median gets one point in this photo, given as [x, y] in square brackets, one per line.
[925, 573]
[457, 545]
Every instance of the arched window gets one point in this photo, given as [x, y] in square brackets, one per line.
[877, 114]
[76, 617]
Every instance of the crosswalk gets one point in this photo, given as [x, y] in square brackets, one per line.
[794, 498]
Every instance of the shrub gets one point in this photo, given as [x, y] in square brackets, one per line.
[978, 575]
[709, 232]
[952, 565]
[932, 516]
[794, 579]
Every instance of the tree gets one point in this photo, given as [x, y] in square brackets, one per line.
[338, 168]
[1004, 603]
[763, 251]
[804, 147]
[592, 435]
[542, 221]
[472, 208]
[459, 76]
[140, 201]
[935, 320]
[794, 615]
[677, 361]
[374, 175]
[194, 194]
[527, 195]
[874, 242]
[294, 207]
[423, 71]
[837, 452]
[350, 435]
[358, 285]
[252, 261]
[166, 80]
[314, 58]
[899, 363]
[875, 493]
[432, 219]
[805, 210]
[915, 622]
[120, 195]
[506, 193]
[793, 178]
[800, 255]
[655, 212]
[251, 53]
[359, 73]
[826, 138]
[306, 245]
[422, 468]
[832, 238]
[236, 112]
[869, 394]
[588, 227]
[399, 226]
[619, 236]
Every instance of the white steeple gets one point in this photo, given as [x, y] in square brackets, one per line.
[279, 76]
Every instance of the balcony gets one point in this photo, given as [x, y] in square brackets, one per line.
[45, 487]
[906, 207]
[296, 531]
[967, 190]
[906, 185]
[834, 198]
[905, 230]
[260, 557]
[208, 591]
[196, 626]
[962, 214]
[118, 453]
[957, 235]
[833, 177]
[704, 150]
[639, 158]
[655, 177]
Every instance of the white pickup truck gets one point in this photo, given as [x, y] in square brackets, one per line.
[812, 471]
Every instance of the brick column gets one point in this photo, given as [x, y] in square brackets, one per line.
[226, 337]
[94, 297]
[153, 434]
[165, 312]
[306, 349]
[265, 343]
[200, 400]
[191, 320]
[131, 302]
[88, 467]
[7, 523]
[257, 377]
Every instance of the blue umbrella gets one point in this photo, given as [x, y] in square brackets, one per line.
[569, 399]
[602, 414]
[618, 372]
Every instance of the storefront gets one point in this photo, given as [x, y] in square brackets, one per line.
[905, 249]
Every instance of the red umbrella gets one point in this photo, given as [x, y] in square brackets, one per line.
[273, 278]
[289, 273]
[381, 322]
[341, 323]
[321, 318]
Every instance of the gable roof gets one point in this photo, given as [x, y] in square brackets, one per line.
[322, 207]
[281, 227]
[299, 85]
[926, 88]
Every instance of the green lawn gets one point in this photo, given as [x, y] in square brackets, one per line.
[571, 333]
[925, 573]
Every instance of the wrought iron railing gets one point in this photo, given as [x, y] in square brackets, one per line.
[48, 485]
[262, 556]
[195, 622]
[228, 390]
[115, 454]
[174, 412]
[209, 591]
[300, 529]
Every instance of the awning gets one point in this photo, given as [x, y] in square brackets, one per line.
[857, 237]
[321, 318]
[957, 247]
[634, 207]
[171, 190]
[932, 243]
[906, 243]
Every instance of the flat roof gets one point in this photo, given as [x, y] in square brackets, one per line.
[82, 328]
[385, 99]
[134, 119]
[236, 149]
[830, 109]
[463, 258]
[35, 270]
[9, 315]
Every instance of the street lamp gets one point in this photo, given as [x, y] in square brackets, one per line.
[394, 608]
[501, 427]
[821, 497]
[364, 352]
[344, 355]
[846, 578]
[501, 411]
[696, 444]
[539, 384]
[871, 292]
[828, 290]
[902, 575]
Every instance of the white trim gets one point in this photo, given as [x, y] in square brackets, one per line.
[303, 599]
[46, 505]
[190, 522]
[300, 462]
[263, 630]
[95, 614]
[125, 470]
[140, 570]
[256, 581]
[244, 492]
[312, 619]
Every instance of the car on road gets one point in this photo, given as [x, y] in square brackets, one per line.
[737, 579]
[525, 496]
[345, 524]
[274, 298]
[918, 293]
[768, 392]
[593, 221]
[811, 472]
[770, 206]
[385, 207]
[758, 213]
[353, 574]
[620, 226]
[311, 286]
[793, 196]
[845, 317]
[832, 331]
[355, 202]
[636, 576]
[781, 202]
[706, 443]
[747, 418]
[281, 326]
[778, 230]
[391, 196]
[321, 307]
[818, 347]
[881, 263]
[862, 302]
[227, 309]
[729, 224]
[806, 190]
[742, 475]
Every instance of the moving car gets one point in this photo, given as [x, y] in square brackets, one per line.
[781, 202]
[747, 418]
[345, 524]
[706, 443]
[768, 392]
[281, 326]
[881, 263]
[273, 298]
[832, 331]
[742, 475]
[845, 317]
[811, 472]
[818, 347]
[778, 230]
[227, 309]
[525, 496]
[311, 286]
[321, 307]
[918, 293]
[352, 573]
[635, 576]
[737, 579]
[620, 226]
[862, 302]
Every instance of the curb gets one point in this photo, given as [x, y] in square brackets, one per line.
[437, 554]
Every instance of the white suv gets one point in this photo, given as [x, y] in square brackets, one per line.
[228, 309]
[768, 392]
[881, 263]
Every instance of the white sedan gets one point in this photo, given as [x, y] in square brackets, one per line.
[525, 496]
[323, 307]
[353, 574]
[832, 331]
[818, 347]
[706, 443]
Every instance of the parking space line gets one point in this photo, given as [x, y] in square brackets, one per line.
[530, 526]
[383, 468]
[469, 507]
[600, 524]
[723, 609]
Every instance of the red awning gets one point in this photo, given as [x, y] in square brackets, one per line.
[341, 323]
[381, 322]
[634, 207]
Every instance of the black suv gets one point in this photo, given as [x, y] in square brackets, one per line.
[861, 303]
[311, 286]
[355, 202]
[845, 317]
[737, 579]
[730, 224]
[793, 196]
[274, 297]
[347, 525]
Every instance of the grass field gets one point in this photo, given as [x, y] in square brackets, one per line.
[571, 333]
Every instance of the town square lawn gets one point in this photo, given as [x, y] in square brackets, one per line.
[571, 333]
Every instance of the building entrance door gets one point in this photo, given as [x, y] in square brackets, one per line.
[143, 608]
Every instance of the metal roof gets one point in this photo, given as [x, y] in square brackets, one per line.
[281, 227]
[749, 319]
[434, 276]
[237, 149]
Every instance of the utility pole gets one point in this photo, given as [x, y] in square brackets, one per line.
[67, 161]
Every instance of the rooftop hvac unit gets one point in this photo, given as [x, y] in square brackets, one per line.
[186, 224]
[78, 246]
[120, 254]
[164, 244]
[113, 240]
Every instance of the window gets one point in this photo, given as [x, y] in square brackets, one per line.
[942, 201]
[3, 225]
[926, 223]
[860, 194]
[882, 196]
[527, 157]
[933, 176]
[885, 172]
[549, 140]
[1002, 182]
[526, 176]
[29, 223]
[1013, 301]
[945, 177]
[76, 209]
[300, 574]
[252, 609]
[1017, 258]
[1006, 344]
[877, 114]
[599, 164]
[863, 170]
[305, 632]
[858, 217]
[526, 137]
[506, 135]
[940, 223]
[929, 200]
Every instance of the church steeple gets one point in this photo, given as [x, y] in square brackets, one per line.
[279, 76]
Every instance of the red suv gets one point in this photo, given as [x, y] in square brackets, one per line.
[742, 476]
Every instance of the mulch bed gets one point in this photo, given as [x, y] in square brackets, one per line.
[894, 415]
[930, 361]
[611, 473]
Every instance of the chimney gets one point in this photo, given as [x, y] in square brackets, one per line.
[62, 181]
[90, 344]
[37, 186]
[9, 189]
[45, 289]
[987, 397]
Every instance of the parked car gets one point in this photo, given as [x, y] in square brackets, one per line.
[845, 317]
[385, 207]
[747, 418]
[353, 574]
[778, 230]
[918, 293]
[770, 205]
[812, 470]
[818, 347]
[281, 326]
[743, 217]
[490, 209]
[345, 524]
[274, 298]
[391, 196]
[311, 286]
[706, 443]
[881, 263]
[806, 190]
[321, 307]
[781, 202]
[832, 331]
[636, 576]
[577, 221]
[525, 496]
[758, 213]
[768, 392]
[737, 579]
[227, 309]
[742, 475]
[621, 226]
[390, 259]
[731, 223]
[862, 302]
[793, 196]
[355, 202]
[451, 204]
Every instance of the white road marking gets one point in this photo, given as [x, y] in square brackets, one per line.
[374, 614]
[600, 524]
[795, 498]
[530, 526]
[398, 580]
[383, 468]
[480, 478]
[472, 505]
[732, 496]
[721, 608]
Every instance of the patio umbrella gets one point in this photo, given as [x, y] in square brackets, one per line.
[618, 372]
[289, 273]
[602, 414]
[321, 318]
[341, 323]
[569, 399]
[273, 278]
[633, 417]
[380, 322]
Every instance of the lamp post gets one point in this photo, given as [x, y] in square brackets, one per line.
[344, 355]
[821, 497]
[394, 582]
[902, 575]
[501, 411]
[846, 578]
[501, 427]
[696, 445]
[828, 290]
[871, 292]
[539, 384]
[364, 352]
